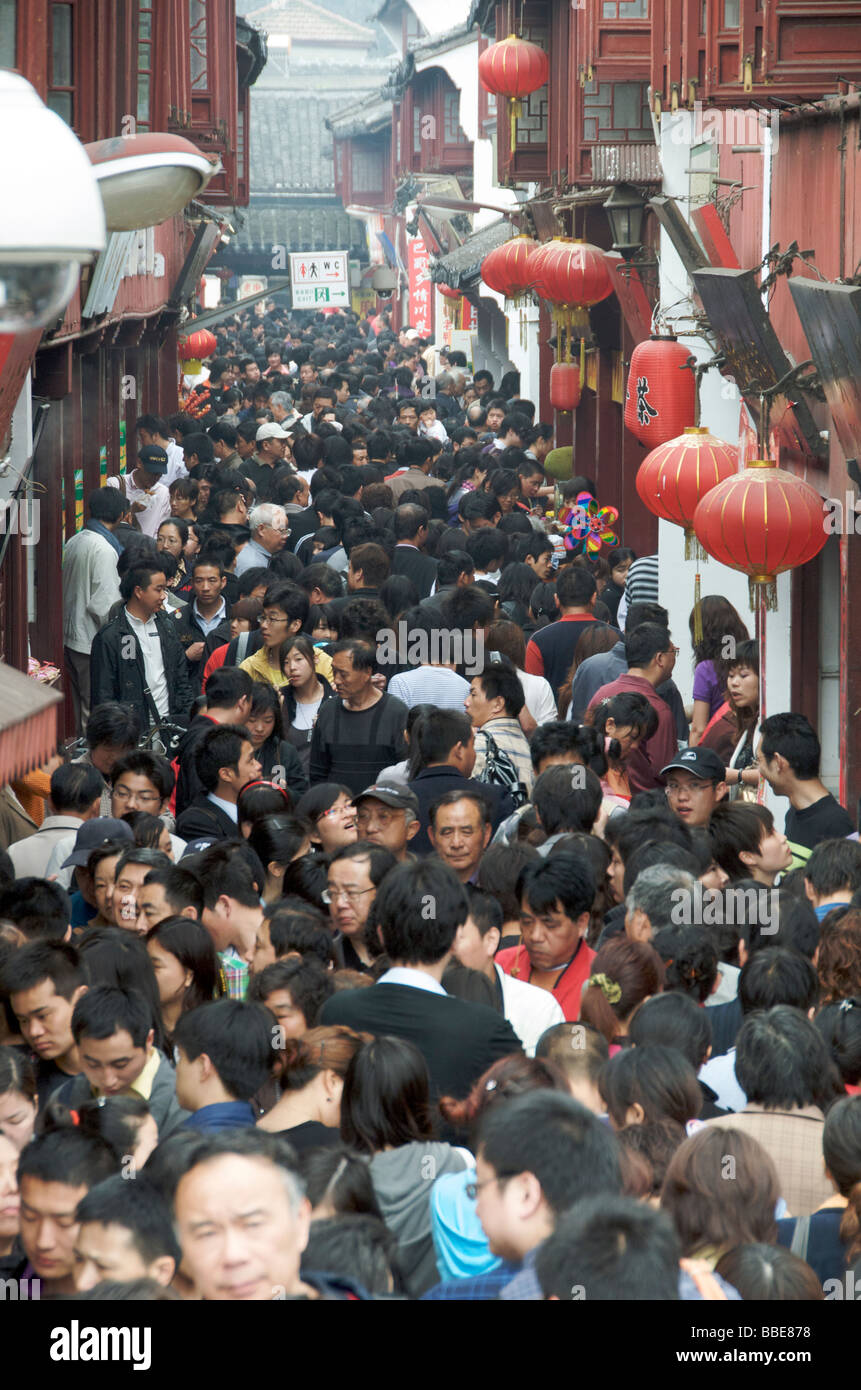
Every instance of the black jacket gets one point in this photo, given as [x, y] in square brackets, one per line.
[417, 566]
[434, 782]
[203, 820]
[459, 1041]
[189, 632]
[117, 675]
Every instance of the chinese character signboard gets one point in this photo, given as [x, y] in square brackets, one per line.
[320, 281]
[421, 288]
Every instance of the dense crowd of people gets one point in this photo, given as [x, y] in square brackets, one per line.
[393, 928]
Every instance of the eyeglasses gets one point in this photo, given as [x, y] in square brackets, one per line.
[124, 794]
[695, 789]
[331, 895]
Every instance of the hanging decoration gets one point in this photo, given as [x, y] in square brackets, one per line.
[587, 526]
[565, 386]
[661, 396]
[505, 269]
[762, 521]
[674, 478]
[193, 349]
[571, 276]
[513, 68]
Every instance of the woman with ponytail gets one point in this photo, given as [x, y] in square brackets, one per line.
[124, 1122]
[624, 974]
[623, 723]
[830, 1239]
[313, 1068]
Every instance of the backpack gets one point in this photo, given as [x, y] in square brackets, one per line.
[499, 770]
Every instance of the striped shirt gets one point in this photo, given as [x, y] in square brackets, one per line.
[641, 586]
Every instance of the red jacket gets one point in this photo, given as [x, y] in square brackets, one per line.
[514, 960]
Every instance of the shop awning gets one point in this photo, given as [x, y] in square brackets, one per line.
[461, 268]
[28, 723]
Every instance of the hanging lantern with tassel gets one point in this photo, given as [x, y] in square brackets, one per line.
[674, 478]
[513, 68]
[571, 276]
[506, 270]
[660, 400]
[762, 521]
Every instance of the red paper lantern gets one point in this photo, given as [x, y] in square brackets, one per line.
[571, 273]
[197, 346]
[513, 67]
[762, 521]
[448, 293]
[505, 269]
[565, 386]
[661, 397]
[674, 478]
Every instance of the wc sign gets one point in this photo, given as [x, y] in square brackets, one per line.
[321, 280]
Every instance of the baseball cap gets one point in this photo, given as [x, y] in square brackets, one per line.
[271, 431]
[153, 458]
[94, 833]
[702, 762]
[399, 797]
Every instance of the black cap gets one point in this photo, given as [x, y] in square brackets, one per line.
[153, 458]
[399, 797]
[702, 762]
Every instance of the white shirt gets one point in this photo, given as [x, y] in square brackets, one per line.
[175, 463]
[434, 685]
[417, 979]
[529, 1010]
[156, 503]
[228, 807]
[539, 698]
[150, 645]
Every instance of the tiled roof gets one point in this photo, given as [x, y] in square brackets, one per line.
[305, 21]
[461, 267]
[291, 148]
[315, 228]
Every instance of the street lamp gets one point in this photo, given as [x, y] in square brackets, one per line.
[145, 179]
[624, 209]
[52, 221]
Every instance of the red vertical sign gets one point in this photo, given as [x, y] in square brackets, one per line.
[421, 288]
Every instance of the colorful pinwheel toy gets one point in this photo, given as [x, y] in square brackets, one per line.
[588, 526]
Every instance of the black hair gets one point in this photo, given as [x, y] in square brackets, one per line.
[116, 957]
[499, 679]
[567, 798]
[792, 736]
[56, 961]
[113, 724]
[611, 1248]
[237, 1039]
[190, 943]
[691, 960]
[361, 1247]
[259, 799]
[659, 1079]
[386, 1097]
[107, 504]
[834, 866]
[38, 908]
[567, 1148]
[307, 982]
[777, 975]
[297, 928]
[139, 1209]
[839, 1024]
[562, 879]
[673, 1020]
[277, 838]
[227, 686]
[340, 1177]
[645, 643]
[67, 1156]
[106, 1009]
[782, 1061]
[408, 934]
[223, 872]
[220, 747]
[142, 763]
[555, 737]
[451, 798]
[181, 887]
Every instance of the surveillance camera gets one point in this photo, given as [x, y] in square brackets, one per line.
[384, 294]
